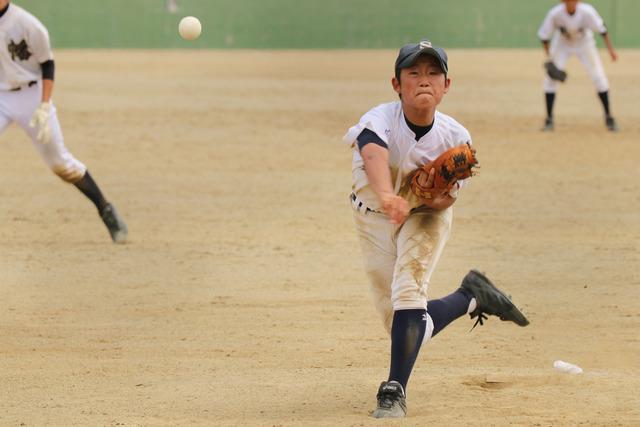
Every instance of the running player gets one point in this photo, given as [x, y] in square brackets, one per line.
[26, 83]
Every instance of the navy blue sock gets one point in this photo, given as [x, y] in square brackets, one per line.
[604, 98]
[407, 332]
[445, 310]
[549, 98]
[90, 189]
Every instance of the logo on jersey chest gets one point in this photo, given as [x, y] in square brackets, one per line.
[572, 34]
[20, 50]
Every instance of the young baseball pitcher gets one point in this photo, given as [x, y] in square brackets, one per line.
[26, 83]
[567, 30]
[402, 235]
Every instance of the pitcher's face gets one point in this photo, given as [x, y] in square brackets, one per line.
[423, 85]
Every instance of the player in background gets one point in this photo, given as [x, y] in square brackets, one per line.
[26, 83]
[402, 236]
[568, 30]
[172, 6]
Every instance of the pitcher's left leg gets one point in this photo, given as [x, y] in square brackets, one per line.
[420, 243]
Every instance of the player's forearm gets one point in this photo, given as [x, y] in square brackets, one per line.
[376, 165]
[545, 46]
[607, 41]
[48, 74]
[47, 90]
[609, 44]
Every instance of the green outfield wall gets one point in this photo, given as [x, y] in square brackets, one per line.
[313, 24]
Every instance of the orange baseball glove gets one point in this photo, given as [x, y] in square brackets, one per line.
[452, 165]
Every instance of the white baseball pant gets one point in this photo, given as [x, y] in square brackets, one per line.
[400, 259]
[587, 54]
[18, 106]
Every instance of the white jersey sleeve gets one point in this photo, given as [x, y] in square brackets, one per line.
[594, 20]
[548, 27]
[375, 120]
[380, 120]
[38, 39]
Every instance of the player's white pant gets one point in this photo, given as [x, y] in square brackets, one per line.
[400, 259]
[18, 106]
[587, 54]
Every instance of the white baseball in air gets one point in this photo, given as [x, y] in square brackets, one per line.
[190, 28]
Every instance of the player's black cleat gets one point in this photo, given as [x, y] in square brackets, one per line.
[490, 300]
[548, 125]
[116, 226]
[392, 402]
[611, 124]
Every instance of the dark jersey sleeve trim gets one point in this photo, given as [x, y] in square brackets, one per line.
[367, 136]
[48, 69]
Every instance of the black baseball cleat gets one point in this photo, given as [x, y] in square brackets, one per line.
[116, 226]
[611, 124]
[548, 125]
[490, 300]
[392, 402]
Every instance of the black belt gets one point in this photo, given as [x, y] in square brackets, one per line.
[16, 89]
[354, 198]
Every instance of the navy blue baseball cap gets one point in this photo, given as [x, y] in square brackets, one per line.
[410, 53]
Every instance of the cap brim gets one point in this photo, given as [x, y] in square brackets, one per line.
[411, 60]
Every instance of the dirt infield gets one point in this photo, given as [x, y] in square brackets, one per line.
[241, 300]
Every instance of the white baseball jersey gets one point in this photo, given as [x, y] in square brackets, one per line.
[400, 259]
[572, 30]
[405, 153]
[24, 45]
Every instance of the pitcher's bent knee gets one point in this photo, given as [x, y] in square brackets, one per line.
[410, 301]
